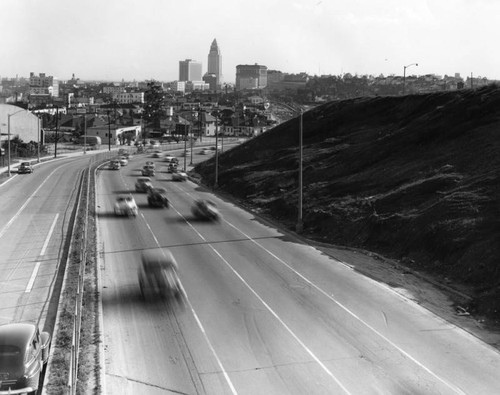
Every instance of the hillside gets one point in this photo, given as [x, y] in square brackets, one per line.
[413, 178]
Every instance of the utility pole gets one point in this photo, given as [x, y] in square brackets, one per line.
[109, 133]
[216, 183]
[57, 131]
[300, 224]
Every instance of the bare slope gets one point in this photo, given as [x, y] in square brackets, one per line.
[414, 178]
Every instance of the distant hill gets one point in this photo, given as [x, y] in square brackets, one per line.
[415, 178]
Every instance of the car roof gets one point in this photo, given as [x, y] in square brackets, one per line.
[17, 334]
[143, 179]
[158, 257]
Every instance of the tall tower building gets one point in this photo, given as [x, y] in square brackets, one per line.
[189, 70]
[215, 63]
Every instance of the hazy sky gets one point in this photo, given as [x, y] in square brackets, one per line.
[146, 39]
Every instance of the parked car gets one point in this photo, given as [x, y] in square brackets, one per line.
[148, 171]
[157, 197]
[179, 176]
[205, 209]
[24, 351]
[115, 164]
[158, 275]
[25, 167]
[123, 161]
[143, 184]
[126, 205]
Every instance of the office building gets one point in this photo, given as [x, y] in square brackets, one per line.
[189, 70]
[251, 77]
[215, 64]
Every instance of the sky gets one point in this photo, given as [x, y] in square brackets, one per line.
[139, 40]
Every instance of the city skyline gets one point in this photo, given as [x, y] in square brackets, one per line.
[132, 40]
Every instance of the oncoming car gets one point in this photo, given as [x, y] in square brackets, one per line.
[24, 351]
[158, 275]
[126, 205]
[123, 161]
[25, 167]
[205, 210]
[143, 184]
[148, 171]
[115, 164]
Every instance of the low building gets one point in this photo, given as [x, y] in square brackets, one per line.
[116, 135]
[23, 124]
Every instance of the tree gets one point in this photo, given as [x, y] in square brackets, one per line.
[154, 110]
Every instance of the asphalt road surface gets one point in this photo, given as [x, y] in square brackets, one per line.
[264, 313]
[35, 210]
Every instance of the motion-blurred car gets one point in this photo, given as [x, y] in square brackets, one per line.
[143, 184]
[24, 351]
[205, 210]
[204, 151]
[25, 168]
[115, 164]
[148, 171]
[123, 161]
[150, 163]
[172, 167]
[157, 154]
[158, 275]
[157, 197]
[179, 176]
[171, 159]
[126, 205]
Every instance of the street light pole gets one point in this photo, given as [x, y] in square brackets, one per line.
[57, 131]
[185, 145]
[109, 133]
[404, 74]
[38, 145]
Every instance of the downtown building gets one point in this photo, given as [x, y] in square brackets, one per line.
[42, 89]
[189, 70]
[190, 75]
[251, 77]
[214, 73]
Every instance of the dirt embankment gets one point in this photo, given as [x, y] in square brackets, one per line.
[414, 178]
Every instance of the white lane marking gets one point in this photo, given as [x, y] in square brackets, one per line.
[47, 239]
[7, 226]
[32, 278]
[200, 325]
[351, 313]
[287, 328]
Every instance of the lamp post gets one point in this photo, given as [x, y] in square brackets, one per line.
[404, 74]
[38, 145]
[8, 138]
[185, 145]
[109, 133]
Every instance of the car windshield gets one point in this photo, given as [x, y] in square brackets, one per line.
[10, 355]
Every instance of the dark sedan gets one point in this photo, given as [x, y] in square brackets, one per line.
[24, 351]
[157, 197]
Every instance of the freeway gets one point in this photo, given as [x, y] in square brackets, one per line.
[35, 211]
[264, 313]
